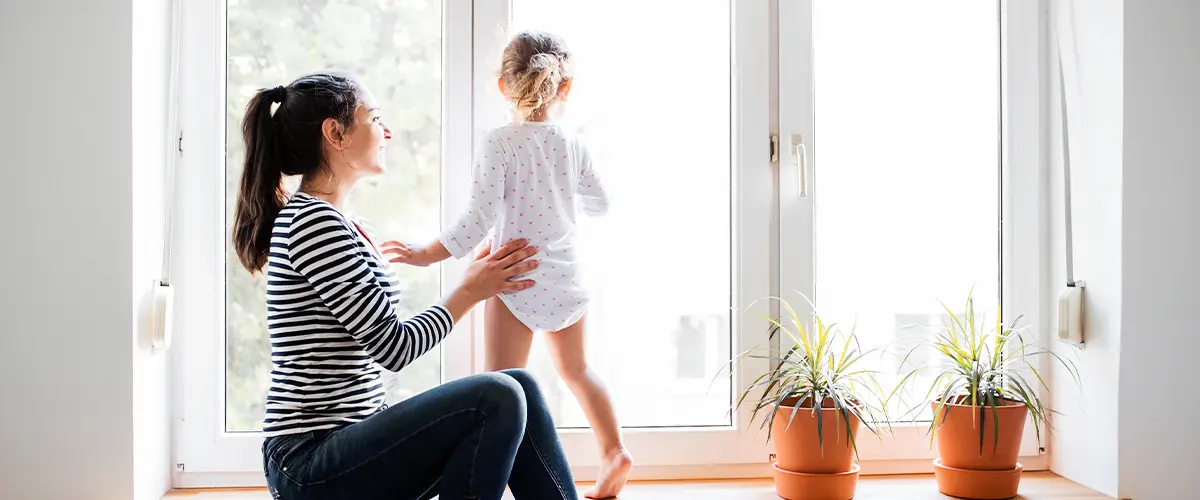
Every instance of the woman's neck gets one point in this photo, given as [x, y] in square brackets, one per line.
[328, 188]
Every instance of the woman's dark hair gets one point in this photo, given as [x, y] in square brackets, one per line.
[286, 142]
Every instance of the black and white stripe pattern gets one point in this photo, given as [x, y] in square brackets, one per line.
[331, 315]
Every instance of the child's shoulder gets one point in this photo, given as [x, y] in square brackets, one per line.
[519, 130]
[511, 137]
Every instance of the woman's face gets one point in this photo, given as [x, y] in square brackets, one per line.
[363, 145]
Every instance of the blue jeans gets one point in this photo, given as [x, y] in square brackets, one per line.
[465, 439]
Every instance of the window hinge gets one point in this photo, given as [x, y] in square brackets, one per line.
[179, 143]
[774, 148]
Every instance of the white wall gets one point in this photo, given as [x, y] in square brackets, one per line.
[1137, 220]
[67, 371]
[1084, 444]
[1161, 245]
[74, 380]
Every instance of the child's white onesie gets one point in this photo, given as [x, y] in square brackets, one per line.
[529, 180]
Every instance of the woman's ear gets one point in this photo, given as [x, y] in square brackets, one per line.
[500, 85]
[565, 89]
[334, 134]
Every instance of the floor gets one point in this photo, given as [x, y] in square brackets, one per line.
[1034, 486]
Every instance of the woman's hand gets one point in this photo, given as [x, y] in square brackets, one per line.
[402, 253]
[491, 273]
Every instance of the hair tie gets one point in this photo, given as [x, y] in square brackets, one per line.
[278, 94]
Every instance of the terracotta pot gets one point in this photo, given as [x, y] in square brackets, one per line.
[797, 448]
[800, 486]
[977, 484]
[957, 436]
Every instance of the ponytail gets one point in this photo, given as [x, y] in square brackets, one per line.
[284, 143]
[260, 194]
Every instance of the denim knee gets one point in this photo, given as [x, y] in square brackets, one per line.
[523, 377]
[502, 393]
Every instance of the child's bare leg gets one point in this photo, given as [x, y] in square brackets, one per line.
[506, 339]
[567, 350]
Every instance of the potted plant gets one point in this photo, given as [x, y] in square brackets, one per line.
[980, 394]
[816, 397]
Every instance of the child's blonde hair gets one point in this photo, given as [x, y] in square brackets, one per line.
[534, 68]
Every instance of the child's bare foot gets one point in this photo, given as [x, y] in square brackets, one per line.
[614, 471]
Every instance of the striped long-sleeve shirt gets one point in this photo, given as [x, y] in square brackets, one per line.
[331, 315]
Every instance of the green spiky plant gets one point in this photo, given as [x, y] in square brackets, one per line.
[983, 369]
[819, 364]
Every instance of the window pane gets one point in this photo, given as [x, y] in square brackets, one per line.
[395, 46]
[907, 164]
[651, 98]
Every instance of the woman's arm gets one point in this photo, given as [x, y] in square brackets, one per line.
[325, 251]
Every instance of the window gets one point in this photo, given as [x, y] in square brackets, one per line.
[903, 165]
[890, 178]
[902, 149]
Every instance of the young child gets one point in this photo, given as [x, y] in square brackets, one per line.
[531, 180]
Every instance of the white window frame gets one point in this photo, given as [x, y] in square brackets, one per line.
[206, 456]
[907, 449]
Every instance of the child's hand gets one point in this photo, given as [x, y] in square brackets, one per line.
[414, 255]
[405, 254]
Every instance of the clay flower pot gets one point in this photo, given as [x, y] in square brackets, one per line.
[957, 430]
[797, 448]
[806, 467]
[818, 367]
[964, 469]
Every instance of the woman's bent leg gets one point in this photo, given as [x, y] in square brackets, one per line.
[541, 470]
[459, 440]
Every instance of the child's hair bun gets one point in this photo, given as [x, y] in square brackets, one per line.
[534, 68]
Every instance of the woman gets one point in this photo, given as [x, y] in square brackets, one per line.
[331, 299]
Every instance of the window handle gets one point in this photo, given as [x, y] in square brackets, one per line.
[801, 159]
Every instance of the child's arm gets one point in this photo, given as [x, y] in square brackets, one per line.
[593, 199]
[487, 195]
[416, 256]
